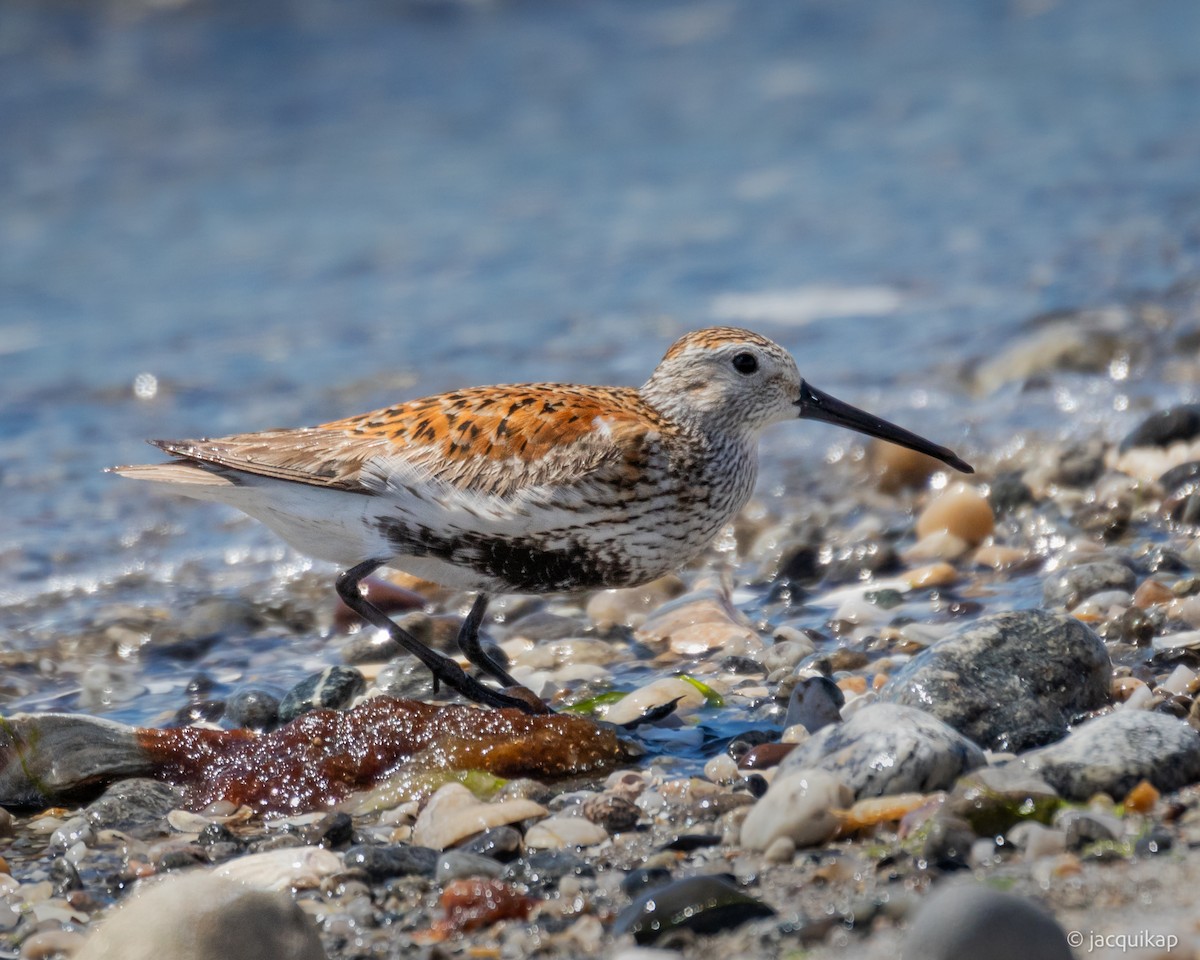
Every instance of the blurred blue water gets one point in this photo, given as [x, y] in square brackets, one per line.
[291, 211]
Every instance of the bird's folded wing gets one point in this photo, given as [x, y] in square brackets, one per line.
[490, 441]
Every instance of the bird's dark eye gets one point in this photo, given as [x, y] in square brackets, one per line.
[745, 363]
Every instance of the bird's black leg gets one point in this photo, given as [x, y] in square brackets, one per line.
[468, 643]
[442, 668]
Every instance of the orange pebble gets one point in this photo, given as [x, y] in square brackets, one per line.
[1142, 798]
[961, 511]
[475, 902]
[1150, 592]
[1123, 687]
[939, 574]
[898, 467]
[854, 684]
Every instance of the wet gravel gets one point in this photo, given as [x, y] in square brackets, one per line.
[818, 754]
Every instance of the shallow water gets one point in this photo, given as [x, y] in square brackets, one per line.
[218, 218]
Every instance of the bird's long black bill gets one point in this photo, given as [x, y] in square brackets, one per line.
[816, 405]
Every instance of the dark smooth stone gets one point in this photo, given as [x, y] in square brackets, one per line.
[1079, 466]
[543, 625]
[199, 627]
[220, 852]
[526, 788]
[1008, 491]
[182, 859]
[333, 688]
[276, 841]
[973, 920]
[399, 860]
[1165, 427]
[253, 710]
[216, 833]
[1082, 828]
[332, 831]
[856, 562]
[946, 842]
[1068, 587]
[1160, 559]
[200, 686]
[801, 564]
[703, 904]
[1108, 519]
[745, 666]
[644, 878]
[1181, 475]
[1131, 626]
[747, 740]
[1183, 508]
[765, 755]
[547, 866]
[687, 842]
[199, 711]
[458, 864]
[815, 702]
[1156, 841]
[499, 843]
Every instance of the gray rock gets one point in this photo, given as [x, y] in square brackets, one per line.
[198, 916]
[202, 625]
[546, 867]
[853, 563]
[1112, 753]
[1165, 427]
[133, 805]
[49, 757]
[800, 807]
[1068, 587]
[371, 646]
[971, 920]
[946, 841]
[253, 709]
[790, 647]
[1081, 827]
[498, 843]
[702, 904]
[1079, 464]
[1008, 681]
[332, 688]
[456, 864]
[198, 711]
[543, 625]
[399, 860]
[1008, 492]
[887, 749]
[815, 703]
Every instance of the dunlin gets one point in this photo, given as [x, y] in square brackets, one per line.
[531, 488]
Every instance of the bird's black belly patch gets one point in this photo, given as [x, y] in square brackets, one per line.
[521, 564]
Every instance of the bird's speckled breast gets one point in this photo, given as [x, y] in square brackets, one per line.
[652, 525]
